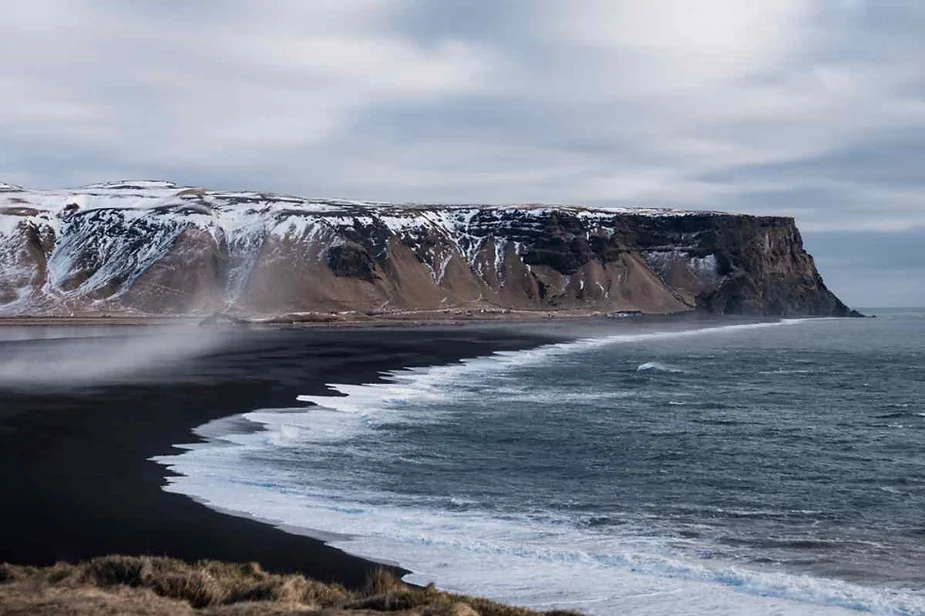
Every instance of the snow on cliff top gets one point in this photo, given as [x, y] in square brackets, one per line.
[148, 194]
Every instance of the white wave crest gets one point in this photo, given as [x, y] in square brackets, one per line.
[539, 563]
[657, 366]
[429, 382]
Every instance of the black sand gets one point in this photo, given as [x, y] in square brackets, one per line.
[76, 481]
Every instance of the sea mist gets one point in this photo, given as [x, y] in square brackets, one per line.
[51, 358]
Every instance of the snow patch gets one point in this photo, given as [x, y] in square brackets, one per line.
[109, 234]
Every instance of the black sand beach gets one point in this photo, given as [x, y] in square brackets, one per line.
[76, 480]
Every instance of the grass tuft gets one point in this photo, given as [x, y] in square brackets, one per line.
[145, 585]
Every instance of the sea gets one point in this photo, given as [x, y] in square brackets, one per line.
[636, 467]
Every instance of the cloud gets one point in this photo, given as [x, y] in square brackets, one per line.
[810, 108]
[201, 91]
[870, 268]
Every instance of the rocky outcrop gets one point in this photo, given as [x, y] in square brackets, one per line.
[158, 248]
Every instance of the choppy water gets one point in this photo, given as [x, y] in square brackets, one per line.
[764, 468]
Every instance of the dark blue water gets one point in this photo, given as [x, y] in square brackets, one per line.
[757, 468]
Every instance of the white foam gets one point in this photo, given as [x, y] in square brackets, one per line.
[542, 563]
[522, 561]
[399, 385]
[657, 366]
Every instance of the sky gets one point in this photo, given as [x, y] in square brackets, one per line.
[806, 108]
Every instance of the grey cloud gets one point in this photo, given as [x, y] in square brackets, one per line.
[872, 268]
[867, 250]
[492, 22]
[808, 108]
[894, 157]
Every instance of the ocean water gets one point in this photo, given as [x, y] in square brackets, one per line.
[714, 468]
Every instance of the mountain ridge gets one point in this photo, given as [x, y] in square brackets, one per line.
[155, 247]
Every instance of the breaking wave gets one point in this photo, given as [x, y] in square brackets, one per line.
[657, 367]
[539, 561]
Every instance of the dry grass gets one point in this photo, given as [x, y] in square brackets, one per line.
[152, 586]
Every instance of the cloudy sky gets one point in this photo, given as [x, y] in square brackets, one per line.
[808, 108]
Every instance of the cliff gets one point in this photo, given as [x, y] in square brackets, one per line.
[159, 248]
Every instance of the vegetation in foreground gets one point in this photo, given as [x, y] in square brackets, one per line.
[158, 586]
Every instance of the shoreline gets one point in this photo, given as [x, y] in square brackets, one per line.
[420, 319]
[417, 318]
[84, 485]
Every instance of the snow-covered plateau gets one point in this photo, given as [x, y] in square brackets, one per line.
[152, 247]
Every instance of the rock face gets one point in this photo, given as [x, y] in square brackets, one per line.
[159, 248]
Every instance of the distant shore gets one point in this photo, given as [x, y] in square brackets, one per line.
[79, 483]
[346, 319]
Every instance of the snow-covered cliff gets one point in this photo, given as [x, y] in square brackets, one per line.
[159, 248]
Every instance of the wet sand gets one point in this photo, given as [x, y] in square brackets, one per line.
[76, 480]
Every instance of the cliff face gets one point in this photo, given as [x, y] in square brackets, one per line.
[154, 247]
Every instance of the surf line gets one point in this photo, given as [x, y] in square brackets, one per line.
[405, 383]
